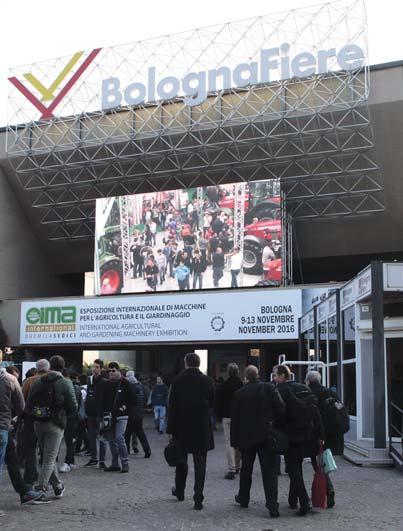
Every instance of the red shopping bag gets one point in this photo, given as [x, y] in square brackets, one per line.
[319, 488]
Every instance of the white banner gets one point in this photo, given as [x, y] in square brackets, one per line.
[225, 316]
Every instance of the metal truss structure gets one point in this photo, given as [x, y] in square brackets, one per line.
[314, 132]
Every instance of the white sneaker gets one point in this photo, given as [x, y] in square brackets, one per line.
[64, 468]
[72, 467]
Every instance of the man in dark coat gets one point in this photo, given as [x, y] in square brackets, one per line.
[136, 414]
[191, 397]
[304, 430]
[228, 390]
[334, 441]
[255, 406]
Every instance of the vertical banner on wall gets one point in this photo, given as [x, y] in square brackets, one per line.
[196, 238]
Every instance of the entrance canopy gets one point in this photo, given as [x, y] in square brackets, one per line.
[279, 96]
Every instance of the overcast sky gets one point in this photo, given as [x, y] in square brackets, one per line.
[36, 31]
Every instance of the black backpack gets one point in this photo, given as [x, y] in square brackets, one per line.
[335, 417]
[44, 406]
[303, 414]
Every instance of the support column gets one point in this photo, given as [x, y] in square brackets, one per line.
[339, 335]
[316, 338]
[378, 352]
[300, 350]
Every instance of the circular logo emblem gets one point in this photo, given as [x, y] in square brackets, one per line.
[33, 315]
[217, 323]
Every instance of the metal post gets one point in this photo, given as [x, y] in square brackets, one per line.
[316, 344]
[299, 350]
[339, 336]
[378, 352]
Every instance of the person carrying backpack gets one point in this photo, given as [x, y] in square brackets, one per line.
[51, 399]
[304, 430]
[335, 421]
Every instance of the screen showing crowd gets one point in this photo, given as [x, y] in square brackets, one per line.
[224, 236]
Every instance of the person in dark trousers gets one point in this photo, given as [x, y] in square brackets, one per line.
[191, 397]
[198, 266]
[227, 392]
[159, 400]
[304, 430]
[334, 441]
[115, 397]
[255, 406]
[12, 406]
[218, 266]
[136, 414]
[71, 428]
[30, 441]
[91, 410]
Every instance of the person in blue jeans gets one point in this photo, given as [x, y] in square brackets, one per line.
[159, 398]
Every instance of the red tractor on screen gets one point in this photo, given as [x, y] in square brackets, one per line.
[256, 236]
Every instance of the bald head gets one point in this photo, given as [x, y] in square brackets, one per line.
[251, 373]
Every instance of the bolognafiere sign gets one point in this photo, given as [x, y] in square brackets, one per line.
[247, 315]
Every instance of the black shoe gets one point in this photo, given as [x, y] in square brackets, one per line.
[198, 506]
[135, 450]
[147, 455]
[237, 499]
[304, 511]
[91, 462]
[112, 469]
[330, 500]
[180, 497]
[274, 513]
[101, 466]
[229, 475]
[125, 468]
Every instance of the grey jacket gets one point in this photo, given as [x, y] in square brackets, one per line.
[11, 399]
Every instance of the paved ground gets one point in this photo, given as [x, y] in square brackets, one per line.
[366, 499]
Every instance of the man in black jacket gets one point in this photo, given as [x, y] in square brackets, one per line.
[115, 397]
[229, 388]
[304, 430]
[191, 397]
[333, 440]
[198, 266]
[136, 413]
[255, 406]
[91, 410]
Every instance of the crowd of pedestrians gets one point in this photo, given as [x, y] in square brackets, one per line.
[107, 410]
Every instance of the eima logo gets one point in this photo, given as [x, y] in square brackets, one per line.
[56, 91]
[51, 319]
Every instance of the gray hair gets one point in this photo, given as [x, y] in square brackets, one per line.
[251, 373]
[42, 365]
[232, 369]
[130, 376]
[313, 377]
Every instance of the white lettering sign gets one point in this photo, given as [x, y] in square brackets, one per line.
[275, 64]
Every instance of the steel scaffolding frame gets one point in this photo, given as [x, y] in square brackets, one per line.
[314, 133]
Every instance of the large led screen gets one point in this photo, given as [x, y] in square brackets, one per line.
[225, 236]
